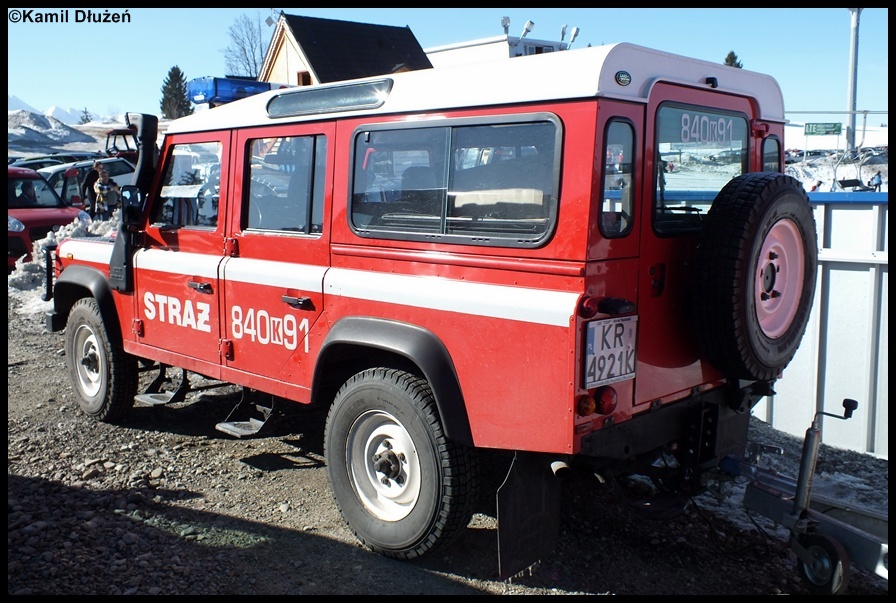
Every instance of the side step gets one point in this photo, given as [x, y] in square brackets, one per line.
[155, 395]
[247, 418]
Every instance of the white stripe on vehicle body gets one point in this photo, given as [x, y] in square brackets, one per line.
[494, 301]
[306, 277]
[86, 250]
[539, 306]
[178, 262]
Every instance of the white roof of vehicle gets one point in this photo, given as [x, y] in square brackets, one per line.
[579, 73]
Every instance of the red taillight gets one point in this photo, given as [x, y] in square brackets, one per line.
[606, 400]
[603, 402]
[588, 307]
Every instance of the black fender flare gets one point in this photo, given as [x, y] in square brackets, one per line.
[419, 346]
[71, 286]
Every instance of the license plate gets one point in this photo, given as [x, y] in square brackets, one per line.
[610, 351]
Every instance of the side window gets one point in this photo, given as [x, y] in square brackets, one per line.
[489, 184]
[190, 191]
[698, 151]
[771, 155]
[286, 184]
[117, 168]
[55, 179]
[616, 208]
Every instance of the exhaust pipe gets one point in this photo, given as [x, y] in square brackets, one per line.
[560, 469]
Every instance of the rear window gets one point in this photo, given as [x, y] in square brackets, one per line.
[118, 168]
[472, 183]
[698, 152]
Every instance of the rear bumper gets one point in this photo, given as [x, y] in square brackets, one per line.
[700, 430]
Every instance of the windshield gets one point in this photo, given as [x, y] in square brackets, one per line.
[32, 192]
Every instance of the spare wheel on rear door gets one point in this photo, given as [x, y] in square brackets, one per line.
[754, 275]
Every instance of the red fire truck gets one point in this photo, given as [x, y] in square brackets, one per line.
[454, 261]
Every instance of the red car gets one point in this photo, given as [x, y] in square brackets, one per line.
[33, 210]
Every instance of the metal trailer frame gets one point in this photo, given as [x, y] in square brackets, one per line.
[826, 535]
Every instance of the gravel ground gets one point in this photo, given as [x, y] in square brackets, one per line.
[165, 504]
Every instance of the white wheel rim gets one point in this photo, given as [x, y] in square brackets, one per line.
[383, 465]
[90, 364]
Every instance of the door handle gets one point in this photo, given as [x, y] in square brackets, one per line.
[200, 287]
[302, 303]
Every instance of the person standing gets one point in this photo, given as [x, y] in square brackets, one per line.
[876, 182]
[88, 192]
[106, 191]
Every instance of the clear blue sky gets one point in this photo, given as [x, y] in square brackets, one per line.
[111, 68]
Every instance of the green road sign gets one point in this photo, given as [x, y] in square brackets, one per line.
[822, 129]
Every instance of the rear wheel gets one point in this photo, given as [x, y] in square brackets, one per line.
[755, 275]
[402, 487]
[103, 375]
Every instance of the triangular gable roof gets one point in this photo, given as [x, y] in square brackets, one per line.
[343, 50]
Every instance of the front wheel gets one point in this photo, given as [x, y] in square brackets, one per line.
[103, 375]
[402, 487]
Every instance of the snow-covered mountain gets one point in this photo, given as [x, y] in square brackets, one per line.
[17, 104]
[33, 127]
[69, 116]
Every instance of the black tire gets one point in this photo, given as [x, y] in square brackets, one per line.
[754, 275]
[828, 572]
[103, 375]
[402, 487]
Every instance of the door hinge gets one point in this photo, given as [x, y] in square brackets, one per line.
[758, 129]
[225, 348]
[137, 327]
[231, 247]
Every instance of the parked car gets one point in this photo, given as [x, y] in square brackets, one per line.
[120, 170]
[31, 219]
[36, 164]
[71, 156]
[727, 156]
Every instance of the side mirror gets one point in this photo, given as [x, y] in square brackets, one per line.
[131, 204]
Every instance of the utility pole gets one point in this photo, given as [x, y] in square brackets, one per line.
[853, 68]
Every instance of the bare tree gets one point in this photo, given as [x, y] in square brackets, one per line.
[245, 54]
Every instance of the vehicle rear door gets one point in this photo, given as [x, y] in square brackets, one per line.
[610, 352]
[686, 132]
[278, 248]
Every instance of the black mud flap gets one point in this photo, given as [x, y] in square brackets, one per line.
[528, 514]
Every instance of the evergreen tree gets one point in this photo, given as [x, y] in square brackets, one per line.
[175, 102]
[85, 117]
[731, 60]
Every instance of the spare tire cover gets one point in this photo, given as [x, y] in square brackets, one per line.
[754, 275]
